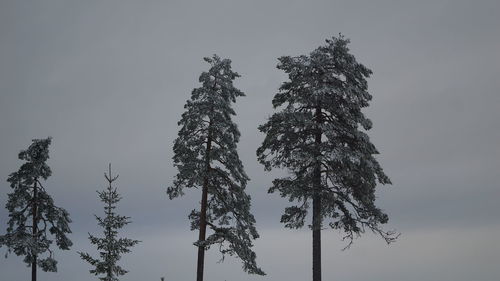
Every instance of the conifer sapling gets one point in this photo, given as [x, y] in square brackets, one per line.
[110, 245]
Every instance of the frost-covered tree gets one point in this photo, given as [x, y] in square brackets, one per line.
[319, 136]
[33, 217]
[110, 246]
[206, 157]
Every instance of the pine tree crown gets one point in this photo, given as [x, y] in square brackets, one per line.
[21, 201]
[324, 96]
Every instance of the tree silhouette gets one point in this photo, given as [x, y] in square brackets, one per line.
[32, 212]
[111, 246]
[206, 157]
[319, 136]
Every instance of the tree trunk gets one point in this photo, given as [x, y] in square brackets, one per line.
[316, 226]
[203, 211]
[203, 230]
[316, 238]
[35, 230]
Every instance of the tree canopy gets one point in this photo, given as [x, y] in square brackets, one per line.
[319, 134]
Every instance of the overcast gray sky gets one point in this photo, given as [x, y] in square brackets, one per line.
[108, 81]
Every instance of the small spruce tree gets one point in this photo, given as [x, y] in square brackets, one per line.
[206, 157]
[32, 212]
[111, 246]
[319, 136]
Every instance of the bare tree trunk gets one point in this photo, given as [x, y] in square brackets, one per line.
[203, 229]
[316, 238]
[203, 211]
[316, 226]
[35, 230]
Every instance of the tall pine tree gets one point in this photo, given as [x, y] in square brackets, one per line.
[111, 246]
[32, 212]
[319, 136]
[206, 157]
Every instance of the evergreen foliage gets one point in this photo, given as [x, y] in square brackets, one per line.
[319, 134]
[111, 246]
[32, 213]
[205, 154]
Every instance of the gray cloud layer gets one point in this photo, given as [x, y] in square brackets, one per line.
[108, 81]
